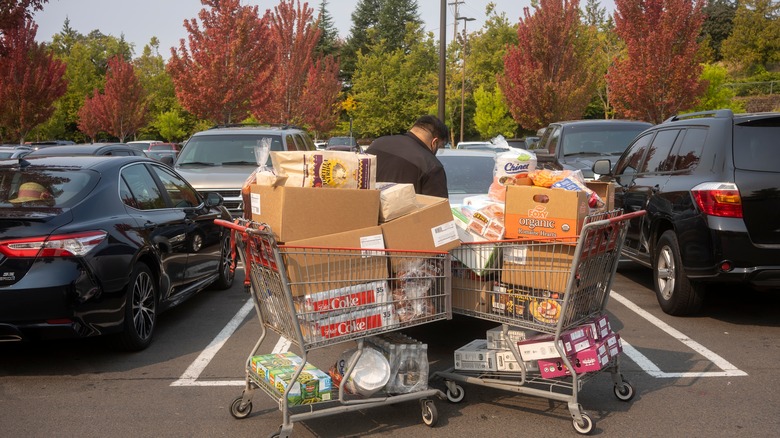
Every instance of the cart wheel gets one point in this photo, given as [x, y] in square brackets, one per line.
[585, 427]
[276, 434]
[456, 394]
[429, 414]
[624, 392]
[239, 411]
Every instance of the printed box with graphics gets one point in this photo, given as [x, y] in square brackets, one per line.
[538, 347]
[349, 324]
[505, 361]
[475, 356]
[539, 212]
[601, 327]
[311, 386]
[312, 266]
[538, 266]
[429, 228]
[261, 364]
[345, 298]
[591, 359]
[290, 211]
[614, 344]
[496, 340]
[577, 339]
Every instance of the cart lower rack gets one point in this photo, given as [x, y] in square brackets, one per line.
[549, 297]
[317, 297]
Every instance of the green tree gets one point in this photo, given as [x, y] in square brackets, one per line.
[718, 24]
[171, 125]
[157, 84]
[329, 42]
[492, 116]
[754, 42]
[552, 73]
[392, 88]
[717, 96]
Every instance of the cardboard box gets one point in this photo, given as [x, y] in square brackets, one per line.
[296, 213]
[614, 344]
[312, 385]
[475, 356]
[538, 347]
[505, 361]
[496, 340]
[577, 339]
[470, 295]
[537, 266]
[510, 302]
[429, 228]
[344, 299]
[538, 212]
[606, 192]
[311, 270]
[591, 359]
[262, 364]
[601, 326]
[350, 324]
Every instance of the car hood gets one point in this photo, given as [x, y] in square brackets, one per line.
[216, 177]
[15, 223]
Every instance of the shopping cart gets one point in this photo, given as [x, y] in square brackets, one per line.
[549, 286]
[317, 297]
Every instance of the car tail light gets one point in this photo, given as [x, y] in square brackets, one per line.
[718, 199]
[63, 245]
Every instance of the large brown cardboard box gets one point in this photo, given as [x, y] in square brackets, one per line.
[296, 213]
[335, 261]
[470, 296]
[537, 266]
[539, 212]
[429, 228]
[606, 192]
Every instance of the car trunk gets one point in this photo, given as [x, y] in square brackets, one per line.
[23, 224]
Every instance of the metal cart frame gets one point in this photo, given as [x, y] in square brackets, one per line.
[277, 276]
[587, 279]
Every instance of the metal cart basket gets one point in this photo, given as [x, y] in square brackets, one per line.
[550, 286]
[316, 297]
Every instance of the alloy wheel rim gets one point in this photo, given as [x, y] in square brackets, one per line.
[143, 305]
[226, 259]
[665, 272]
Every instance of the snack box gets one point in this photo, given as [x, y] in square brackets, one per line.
[591, 359]
[312, 386]
[505, 361]
[475, 356]
[601, 327]
[261, 364]
[614, 344]
[577, 339]
[496, 340]
[539, 212]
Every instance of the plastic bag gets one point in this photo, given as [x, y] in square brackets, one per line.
[263, 175]
[512, 168]
[370, 374]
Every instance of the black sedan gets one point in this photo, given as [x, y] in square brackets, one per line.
[98, 245]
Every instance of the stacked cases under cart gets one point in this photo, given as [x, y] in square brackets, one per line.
[408, 288]
[548, 286]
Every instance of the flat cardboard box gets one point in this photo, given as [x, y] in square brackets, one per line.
[470, 295]
[429, 228]
[537, 266]
[539, 212]
[296, 213]
[475, 356]
[312, 270]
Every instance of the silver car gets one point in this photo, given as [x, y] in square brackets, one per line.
[469, 172]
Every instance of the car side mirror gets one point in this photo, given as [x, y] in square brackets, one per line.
[602, 167]
[213, 199]
[167, 159]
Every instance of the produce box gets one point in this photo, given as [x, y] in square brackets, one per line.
[537, 266]
[429, 228]
[296, 213]
[312, 271]
[312, 385]
[475, 356]
[539, 212]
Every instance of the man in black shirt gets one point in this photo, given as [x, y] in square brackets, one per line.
[411, 158]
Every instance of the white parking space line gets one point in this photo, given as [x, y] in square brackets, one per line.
[728, 370]
[190, 376]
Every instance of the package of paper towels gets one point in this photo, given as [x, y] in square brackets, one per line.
[395, 200]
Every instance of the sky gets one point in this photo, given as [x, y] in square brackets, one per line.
[139, 20]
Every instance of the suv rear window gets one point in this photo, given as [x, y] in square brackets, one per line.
[44, 188]
[225, 149]
[756, 146]
[604, 140]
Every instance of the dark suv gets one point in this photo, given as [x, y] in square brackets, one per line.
[222, 158]
[577, 144]
[710, 183]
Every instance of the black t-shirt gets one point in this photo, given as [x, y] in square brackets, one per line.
[406, 159]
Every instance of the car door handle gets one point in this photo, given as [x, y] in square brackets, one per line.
[656, 189]
[149, 225]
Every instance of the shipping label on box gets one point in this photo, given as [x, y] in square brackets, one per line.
[475, 356]
[589, 360]
[538, 347]
[505, 361]
[538, 212]
[496, 340]
[577, 339]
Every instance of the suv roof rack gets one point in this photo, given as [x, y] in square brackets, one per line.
[721, 114]
[264, 125]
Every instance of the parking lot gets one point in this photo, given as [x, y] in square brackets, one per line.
[712, 375]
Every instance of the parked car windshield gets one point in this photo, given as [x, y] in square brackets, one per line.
[36, 188]
[599, 140]
[225, 149]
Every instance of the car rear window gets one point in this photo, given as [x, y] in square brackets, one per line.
[756, 146]
[231, 148]
[36, 188]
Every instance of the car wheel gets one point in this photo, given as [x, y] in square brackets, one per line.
[676, 294]
[226, 272]
[140, 310]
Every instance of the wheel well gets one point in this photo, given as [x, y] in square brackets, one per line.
[153, 266]
[659, 228]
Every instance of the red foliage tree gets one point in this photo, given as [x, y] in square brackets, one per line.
[660, 74]
[548, 75]
[89, 115]
[14, 13]
[227, 62]
[30, 81]
[121, 109]
[320, 101]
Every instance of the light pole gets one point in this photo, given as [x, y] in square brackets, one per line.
[463, 78]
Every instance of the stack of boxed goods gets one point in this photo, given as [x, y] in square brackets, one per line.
[330, 199]
[278, 369]
[589, 348]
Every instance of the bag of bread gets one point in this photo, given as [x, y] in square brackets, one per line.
[326, 169]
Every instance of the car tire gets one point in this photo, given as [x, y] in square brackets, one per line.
[140, 310]
[226, 272]
[676, 294]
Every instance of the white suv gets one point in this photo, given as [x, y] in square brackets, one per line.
[220, 159]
